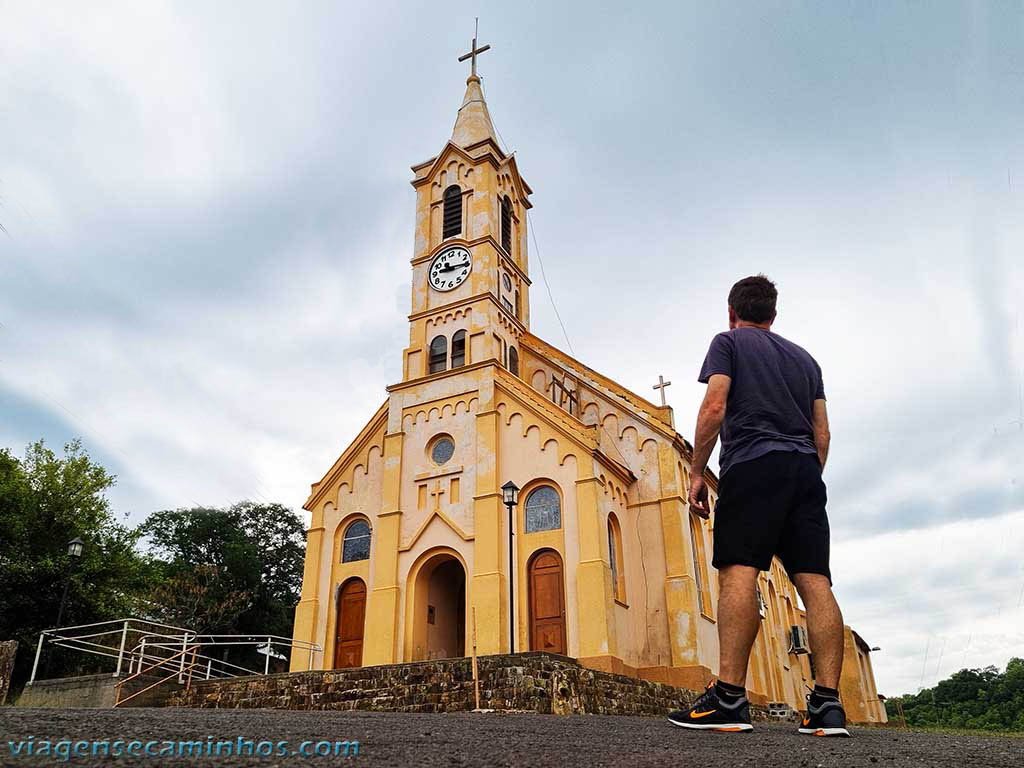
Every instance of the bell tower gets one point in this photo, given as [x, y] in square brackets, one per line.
[470, 281]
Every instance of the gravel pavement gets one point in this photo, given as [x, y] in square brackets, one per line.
[484, 739]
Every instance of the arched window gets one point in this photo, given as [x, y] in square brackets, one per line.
[438, 354]
[506, 224]
[459, 349]
[452, 218]
[543, 510]
[356, 545]
[513, 361]
[700, 573]
[615, 558]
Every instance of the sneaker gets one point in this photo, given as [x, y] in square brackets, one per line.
[710, 713]
[826, 717]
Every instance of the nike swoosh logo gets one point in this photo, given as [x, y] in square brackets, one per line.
[806, 723]
[702, 714]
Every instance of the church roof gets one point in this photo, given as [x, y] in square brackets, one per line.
[473, 123]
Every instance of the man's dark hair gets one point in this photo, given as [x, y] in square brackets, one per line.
[753, 298]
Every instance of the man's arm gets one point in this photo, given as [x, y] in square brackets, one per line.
[822, 436]
[709, 422]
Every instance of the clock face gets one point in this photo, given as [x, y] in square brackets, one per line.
[508, 281]
[450, 268]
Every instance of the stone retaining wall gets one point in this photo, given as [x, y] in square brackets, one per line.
[93, 691]
[535, 682]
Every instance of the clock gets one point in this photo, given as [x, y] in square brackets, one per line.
[450, 268]
[507, 280]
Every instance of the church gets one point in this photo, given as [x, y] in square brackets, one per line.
[507, 492]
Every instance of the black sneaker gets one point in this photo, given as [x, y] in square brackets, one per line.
[710, 713]
[825, 717]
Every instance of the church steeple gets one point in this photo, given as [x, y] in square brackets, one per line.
[470, 287]
[473, 123]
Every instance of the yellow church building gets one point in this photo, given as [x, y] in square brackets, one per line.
[409, 544]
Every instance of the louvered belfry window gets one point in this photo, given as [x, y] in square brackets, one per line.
[506, 224]
[452, 219]
[459, 349]
[438, 355]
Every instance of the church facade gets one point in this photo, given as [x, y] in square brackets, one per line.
[409, 554]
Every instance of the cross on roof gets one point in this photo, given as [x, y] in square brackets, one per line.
[661, 386]
[474, 51]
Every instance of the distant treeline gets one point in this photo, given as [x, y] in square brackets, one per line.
[985, 699]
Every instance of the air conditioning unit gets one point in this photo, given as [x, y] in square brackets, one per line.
[798, 640]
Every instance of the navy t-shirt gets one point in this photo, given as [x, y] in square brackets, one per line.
[771, 399]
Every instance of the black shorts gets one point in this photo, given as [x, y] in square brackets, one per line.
[773, 505]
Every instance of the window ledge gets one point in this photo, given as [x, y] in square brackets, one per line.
[439, 473]
[708, 617]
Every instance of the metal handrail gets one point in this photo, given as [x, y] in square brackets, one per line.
[119, 622]
[118, 701]
[222, 664]
[154, 636]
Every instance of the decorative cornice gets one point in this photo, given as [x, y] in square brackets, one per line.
[442, 374]
[449, 149]
[319, 489]
[575, 431]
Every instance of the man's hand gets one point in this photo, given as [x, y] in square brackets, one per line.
[822, 436]
[699, 504]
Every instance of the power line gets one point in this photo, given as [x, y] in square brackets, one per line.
[547, 285]
[536, 247]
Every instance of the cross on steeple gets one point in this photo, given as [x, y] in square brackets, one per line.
[661, 386]
[474, 51]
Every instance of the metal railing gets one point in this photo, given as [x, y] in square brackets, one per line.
[139, 644]
[119, 688]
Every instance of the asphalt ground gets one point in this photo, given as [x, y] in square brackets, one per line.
[477, 739]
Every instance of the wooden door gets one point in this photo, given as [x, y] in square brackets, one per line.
[348, 645]
[547, 604]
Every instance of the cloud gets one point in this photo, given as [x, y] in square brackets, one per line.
[952, 591]
[206, 271]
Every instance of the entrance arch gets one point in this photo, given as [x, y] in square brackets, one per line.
[547, 603]
[438, 620]
[351, 613]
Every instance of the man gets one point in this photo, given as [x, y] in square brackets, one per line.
[765, 395]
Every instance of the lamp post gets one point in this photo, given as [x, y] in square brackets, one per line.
[75, 549]
[510, 495]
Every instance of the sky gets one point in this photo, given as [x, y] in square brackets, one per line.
[208, 219]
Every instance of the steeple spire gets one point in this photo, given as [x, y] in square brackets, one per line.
[473, 123]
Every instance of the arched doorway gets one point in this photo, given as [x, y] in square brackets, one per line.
[547, 603]
[439, 609]
[351, 614]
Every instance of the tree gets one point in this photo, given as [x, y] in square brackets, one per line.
[971, 698]
[228, 571]
[45, 501]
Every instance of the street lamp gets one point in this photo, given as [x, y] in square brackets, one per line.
[510, 495]
[75, 549]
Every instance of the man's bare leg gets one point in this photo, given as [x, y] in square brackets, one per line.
[738, 622]
[824, 626]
